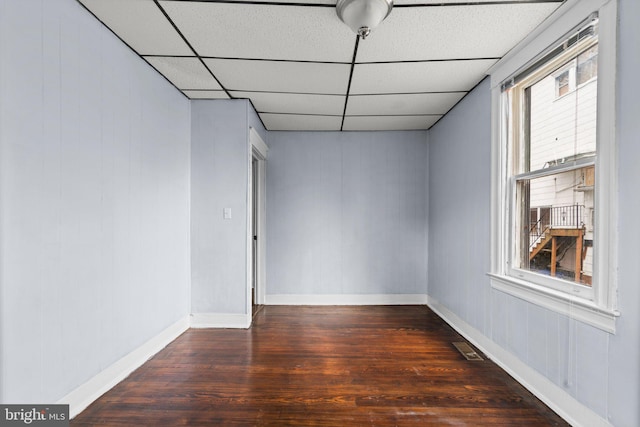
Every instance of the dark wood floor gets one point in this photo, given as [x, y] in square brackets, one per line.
[320, 366]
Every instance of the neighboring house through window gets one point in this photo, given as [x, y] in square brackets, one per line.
[580, 70]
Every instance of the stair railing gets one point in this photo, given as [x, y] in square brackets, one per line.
[565, 216]
[536, 231]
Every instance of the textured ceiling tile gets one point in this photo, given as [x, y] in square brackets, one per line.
[452, 32]
[300, 122]
[276, 76]
[389, 122]
[410, 104]
[141, 24]
[440, 2]
[331, 2]
[232, 30]
[407, 77]
[304, 52]
[206, 94]
[185, 73]
[294, 103]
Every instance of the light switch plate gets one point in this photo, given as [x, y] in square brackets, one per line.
[226, 213]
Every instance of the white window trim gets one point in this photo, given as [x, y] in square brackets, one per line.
[601, 311]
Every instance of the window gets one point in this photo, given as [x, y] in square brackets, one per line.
[562, 84]
[553, 144]
[554, 204]
[578, 71]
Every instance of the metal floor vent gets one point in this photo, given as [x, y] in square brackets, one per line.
[466, 350]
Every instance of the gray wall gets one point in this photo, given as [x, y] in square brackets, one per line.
[219, 174]
[255, 122]
[346, 213]
[598, 369]
[94, 216]
[624, 347]
[459, 208]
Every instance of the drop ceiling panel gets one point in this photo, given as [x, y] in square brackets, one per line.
[440, 2]
[233, 30]
[320, 2]
[293, 59]
[396, 2]
[185, 73]
[408, 104]
[389, 123]
[300, 122]
[411, 77]
[206, 94]
[277, 76]
[141, 25]
[452, 32]
[294, 103]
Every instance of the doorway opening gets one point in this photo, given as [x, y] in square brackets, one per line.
[256, 224]
[255, 215]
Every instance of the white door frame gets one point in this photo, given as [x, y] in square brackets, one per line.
[258, 150]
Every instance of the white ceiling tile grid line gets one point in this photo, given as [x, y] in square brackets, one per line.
[303, 69]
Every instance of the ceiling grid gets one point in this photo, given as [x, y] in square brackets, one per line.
[299, 66]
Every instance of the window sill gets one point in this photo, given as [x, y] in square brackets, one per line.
[574, 307]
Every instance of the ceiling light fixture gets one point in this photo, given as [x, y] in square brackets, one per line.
[362, 16]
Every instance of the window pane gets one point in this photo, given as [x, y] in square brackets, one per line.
[562, 118]
[587, 65]
[562, 83]
[556, 224]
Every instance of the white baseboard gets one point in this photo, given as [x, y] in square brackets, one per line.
[574, 412]
[91, 390]
[212, 320]
[347, 299]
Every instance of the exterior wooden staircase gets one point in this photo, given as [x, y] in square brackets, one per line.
[554, 241]
[547, 236]
[543, 241]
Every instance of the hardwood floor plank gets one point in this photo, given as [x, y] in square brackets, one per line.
[320, 366]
